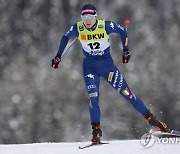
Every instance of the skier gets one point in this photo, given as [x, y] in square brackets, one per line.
[94, 34]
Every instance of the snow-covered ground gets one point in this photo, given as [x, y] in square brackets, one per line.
[115, 147]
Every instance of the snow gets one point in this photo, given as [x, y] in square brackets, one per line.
[115, 147]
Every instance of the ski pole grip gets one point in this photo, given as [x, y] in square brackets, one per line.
[126, 22]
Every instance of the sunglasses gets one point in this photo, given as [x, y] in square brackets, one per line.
[87, 17]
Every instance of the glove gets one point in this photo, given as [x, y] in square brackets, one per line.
[125, 56]
[55, 61]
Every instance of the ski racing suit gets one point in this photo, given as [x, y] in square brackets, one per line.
[99, 63]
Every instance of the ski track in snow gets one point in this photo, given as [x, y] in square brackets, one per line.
[115, 147]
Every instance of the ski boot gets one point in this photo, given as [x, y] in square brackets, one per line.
[97, 133]
[161, 126]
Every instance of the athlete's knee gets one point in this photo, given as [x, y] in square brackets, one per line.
[94, 99]
[126, 93]
[92, 90]
[94, 96]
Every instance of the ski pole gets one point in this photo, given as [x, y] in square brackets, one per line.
[69, 46]
[126, 22]
[67, 49]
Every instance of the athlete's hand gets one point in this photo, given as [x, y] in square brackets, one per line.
[126, 56]
[55, 61]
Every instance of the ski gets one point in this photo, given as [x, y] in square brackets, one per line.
[92, 144]
[172, 133]
[175, 132]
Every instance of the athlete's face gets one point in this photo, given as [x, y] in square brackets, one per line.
[89, 20]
